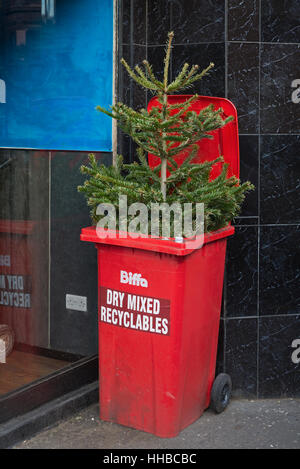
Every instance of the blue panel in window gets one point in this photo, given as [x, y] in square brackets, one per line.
[55, 67]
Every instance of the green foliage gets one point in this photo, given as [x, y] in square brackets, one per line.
[166, 131]
[222, 197]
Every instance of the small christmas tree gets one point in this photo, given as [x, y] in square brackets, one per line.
[166, 131]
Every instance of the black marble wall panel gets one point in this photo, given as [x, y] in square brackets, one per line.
[220, 362]
[132, 31]
[192, 22]
[280, 21]
[139, 31]
[279, 360]
[241, 355]
[255, 47]
[202, 54]
[132, 94]
[125, 85]
[155, 56]
[280, 66]
[266, 33]
[280, 179]
[198, 21]
[138, 96]
[242, 273]
[243, 20]
[249, 171]
[158, 21]
[279, 270]
[125, 14]
[243, 83]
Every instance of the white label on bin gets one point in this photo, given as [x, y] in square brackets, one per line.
[142, 313]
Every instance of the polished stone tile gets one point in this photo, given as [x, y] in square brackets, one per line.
[243, 20]
[242, 272]
[155, 56]
[124, 96]
[125, 147]
[130, 92]
[212, 84]
[198, 21]
[280, 66]
[125, 82]
[246, 221]
[280, 21]
[220, 361]
[249, 172]
[125, 22]
[279, 271]
[139, 10]
[243, 84]
[159, 21]
[280, 179]
[241, 356]
[139, 94]
[279, 361]
[133, 22]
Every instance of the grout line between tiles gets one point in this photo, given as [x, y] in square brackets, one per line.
[258, 198]
[226, 48]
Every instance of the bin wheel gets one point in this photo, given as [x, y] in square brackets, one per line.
[8, 336]
[220, 393]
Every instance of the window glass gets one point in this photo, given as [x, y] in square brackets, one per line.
[42, 260]
[55, 67]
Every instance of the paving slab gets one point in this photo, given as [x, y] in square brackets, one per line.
[256, 424]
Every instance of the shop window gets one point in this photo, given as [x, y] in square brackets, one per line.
[55, 67]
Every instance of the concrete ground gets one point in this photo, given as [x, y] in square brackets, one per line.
[244, 424]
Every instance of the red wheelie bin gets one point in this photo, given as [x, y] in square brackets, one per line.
[159, 314]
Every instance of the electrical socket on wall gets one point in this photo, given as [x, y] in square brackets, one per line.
[77, 303]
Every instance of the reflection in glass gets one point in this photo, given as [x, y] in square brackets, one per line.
[56, 66]
[24, 270]
[48, 9]
[24, 244]
[41, 222]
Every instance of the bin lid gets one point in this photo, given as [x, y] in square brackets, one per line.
[148, 243]
[225, 142]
